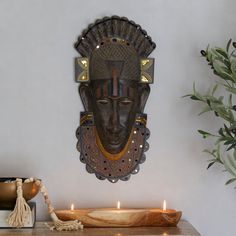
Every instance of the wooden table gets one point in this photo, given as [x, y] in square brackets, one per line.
[184, 228]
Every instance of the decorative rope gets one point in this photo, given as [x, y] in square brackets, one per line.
[21, 213]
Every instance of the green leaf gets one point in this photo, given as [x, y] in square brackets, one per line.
[227, 131]
[214, 89]
[206, 109]
[225, 138]
[193, 97]
[234, 77]
[227, 68]
[230, 100]
[228, 64]
[194, 89]
[207, 151]
[208, 102]
[230, 181]
[210, 164]
[187, 95]
[222, 52]
[204, 133]
[221, 72]
[221, 132]
[228, 167]
[225, 76]
[207, 52]
[232, 163]
[235, 154]
[231, 89]
[228, 45]
[232, 127]
[231, 116]
[210, 57]
[217, 67]
[229, 142]
[233, 67]
[230, 147]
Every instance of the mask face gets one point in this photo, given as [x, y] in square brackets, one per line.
[114, 89]
[114, 115]
[114, 72]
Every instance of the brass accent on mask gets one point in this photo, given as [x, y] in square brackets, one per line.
[145, 78]
[147, 70]
[81, 69]
[85, 118]
[144, 62]
[141, 120]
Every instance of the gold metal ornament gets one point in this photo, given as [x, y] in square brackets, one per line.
[147, 70]
[81, 69]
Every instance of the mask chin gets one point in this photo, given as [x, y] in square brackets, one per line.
[114, 148]
[112, 144]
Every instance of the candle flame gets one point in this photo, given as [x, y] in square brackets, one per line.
[164, 205]
[118, 205]
[72, 207]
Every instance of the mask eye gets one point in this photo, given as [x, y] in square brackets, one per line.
[103, 101]
[126, 101]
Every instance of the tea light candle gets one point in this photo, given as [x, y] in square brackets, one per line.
[164, 205]
[118, 205]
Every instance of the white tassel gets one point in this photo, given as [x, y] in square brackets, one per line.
[60, 225]
[18, 217]
[22, 212]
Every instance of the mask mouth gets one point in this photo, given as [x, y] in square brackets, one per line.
[116, 139]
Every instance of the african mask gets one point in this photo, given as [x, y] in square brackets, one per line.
[114, 73]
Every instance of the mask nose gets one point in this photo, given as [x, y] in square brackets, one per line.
[114, 126]
[115, 118]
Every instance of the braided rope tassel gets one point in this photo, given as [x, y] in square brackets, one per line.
[22, 212]
[58, 224]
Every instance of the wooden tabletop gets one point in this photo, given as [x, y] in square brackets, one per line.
[184, 228]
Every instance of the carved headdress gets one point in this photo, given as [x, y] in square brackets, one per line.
[113, 35]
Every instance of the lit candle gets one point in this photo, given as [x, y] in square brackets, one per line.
[118, 205]
[72, 207]
[164, 205]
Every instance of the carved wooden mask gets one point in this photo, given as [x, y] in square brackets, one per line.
[114, 73]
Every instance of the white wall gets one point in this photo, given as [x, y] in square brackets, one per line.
[40, 106]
